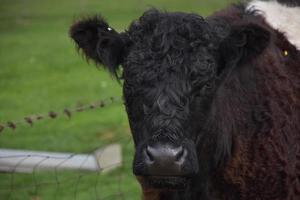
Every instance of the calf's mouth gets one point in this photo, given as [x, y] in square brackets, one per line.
[164, 182]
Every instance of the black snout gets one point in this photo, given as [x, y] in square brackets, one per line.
[165, 160]
[165, 164]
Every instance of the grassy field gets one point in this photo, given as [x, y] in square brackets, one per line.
[41, 71]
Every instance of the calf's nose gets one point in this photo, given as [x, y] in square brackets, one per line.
[164, 160]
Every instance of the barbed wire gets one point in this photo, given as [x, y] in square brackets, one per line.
[30, 120]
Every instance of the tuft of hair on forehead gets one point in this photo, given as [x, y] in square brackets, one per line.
[170, 29]
[167, 45]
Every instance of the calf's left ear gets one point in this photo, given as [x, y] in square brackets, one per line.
[244, 43]
[99, 42]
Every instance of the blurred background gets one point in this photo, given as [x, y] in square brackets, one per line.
[40, 71]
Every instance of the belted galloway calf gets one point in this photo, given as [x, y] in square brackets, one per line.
[213, 103]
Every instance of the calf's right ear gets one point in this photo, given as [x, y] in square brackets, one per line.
[99, 42]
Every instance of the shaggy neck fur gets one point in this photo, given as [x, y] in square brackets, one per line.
[281, 17]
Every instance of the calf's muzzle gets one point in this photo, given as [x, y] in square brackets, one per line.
[164, 160]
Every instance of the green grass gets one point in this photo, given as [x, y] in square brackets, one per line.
[41, 71]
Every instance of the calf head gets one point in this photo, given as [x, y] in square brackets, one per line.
[172, 67]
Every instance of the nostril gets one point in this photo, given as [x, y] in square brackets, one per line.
[180, 156]
[149, 155]
[179, 153]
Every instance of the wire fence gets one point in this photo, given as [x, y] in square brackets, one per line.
[54, 182]
[47, 175]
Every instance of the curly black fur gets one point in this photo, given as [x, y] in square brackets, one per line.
[199, 83]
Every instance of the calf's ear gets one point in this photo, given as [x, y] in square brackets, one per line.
[99, 42]
[245, 42]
